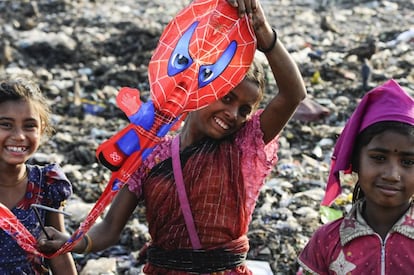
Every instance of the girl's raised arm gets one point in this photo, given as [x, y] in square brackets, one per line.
[288, 78]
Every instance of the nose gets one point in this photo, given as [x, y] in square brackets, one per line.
[177, 100]
[18, 133]
[392, 173]
[232, 112]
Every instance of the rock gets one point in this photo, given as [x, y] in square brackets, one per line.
[101, 266]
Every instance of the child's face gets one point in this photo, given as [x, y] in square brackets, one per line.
[386, 170]
[20, 132]
[226, 115]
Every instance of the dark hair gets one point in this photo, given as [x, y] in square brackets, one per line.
[366, 136]
[22, 88]
[256, 75]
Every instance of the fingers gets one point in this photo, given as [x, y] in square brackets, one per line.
[48, 246]
[233, 3]
[253, 5]
[244, 6]
[53, 243]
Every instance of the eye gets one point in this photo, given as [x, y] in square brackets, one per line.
[180, 62]
[180, 58]
[245, 111]
[407, 162]
[377, 157]
[226, 99]
[31, 126]
[208, 73]
[5, 125]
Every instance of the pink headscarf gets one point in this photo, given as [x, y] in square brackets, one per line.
[388, 102]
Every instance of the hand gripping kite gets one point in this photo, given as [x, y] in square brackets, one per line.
[203, 53]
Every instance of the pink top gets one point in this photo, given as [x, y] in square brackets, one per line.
[349, 246]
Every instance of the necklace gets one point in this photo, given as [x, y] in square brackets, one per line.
[18, 181]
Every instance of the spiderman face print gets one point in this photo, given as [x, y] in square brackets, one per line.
[202, 54]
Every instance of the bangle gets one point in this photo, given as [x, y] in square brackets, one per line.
[266, 50]
[88, 246]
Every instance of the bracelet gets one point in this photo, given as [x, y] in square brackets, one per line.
[88, 246]
[271, 45]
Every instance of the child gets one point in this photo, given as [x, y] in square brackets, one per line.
[226, 150]
[24, 117]
[377, 236]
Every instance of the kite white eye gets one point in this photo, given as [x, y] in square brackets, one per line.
[180, 58]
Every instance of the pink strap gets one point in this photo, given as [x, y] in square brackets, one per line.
[182, 195]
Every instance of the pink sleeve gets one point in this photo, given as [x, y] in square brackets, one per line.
[258, 158]
[161, 152]
[325, 243]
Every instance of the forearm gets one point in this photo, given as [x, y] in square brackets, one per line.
[284, 68]
[63, 265]
[106, 233]
[291, 88]
[98, 238]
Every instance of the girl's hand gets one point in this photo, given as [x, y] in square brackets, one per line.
[244, 6]
[262, 28]
[57, 239]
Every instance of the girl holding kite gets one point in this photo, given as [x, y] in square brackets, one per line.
[24, 118]
[200, 186]
[377, 235]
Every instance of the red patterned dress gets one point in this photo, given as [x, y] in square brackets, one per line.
[222, 180]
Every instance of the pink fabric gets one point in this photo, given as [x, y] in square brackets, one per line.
[388, 102]
[182, 194]
[350, 246]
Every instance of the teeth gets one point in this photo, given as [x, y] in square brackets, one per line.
[16, 149]
[221, 123]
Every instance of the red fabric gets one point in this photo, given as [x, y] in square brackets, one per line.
[217, 206]
[214, 203]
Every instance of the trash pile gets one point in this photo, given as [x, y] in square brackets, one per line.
[81, 53]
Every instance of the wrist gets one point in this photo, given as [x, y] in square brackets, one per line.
[87, 244]
[271, 45]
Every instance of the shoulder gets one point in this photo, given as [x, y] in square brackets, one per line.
[252, 126]
[49, 172]
[329, 231]
[250, 140]
[322, 247]
[52, 180]
[325, 237]
[161, 152]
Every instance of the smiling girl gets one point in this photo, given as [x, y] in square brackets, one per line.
[24, 118]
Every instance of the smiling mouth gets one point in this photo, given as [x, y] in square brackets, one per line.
[221, 123]
[17, 149]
